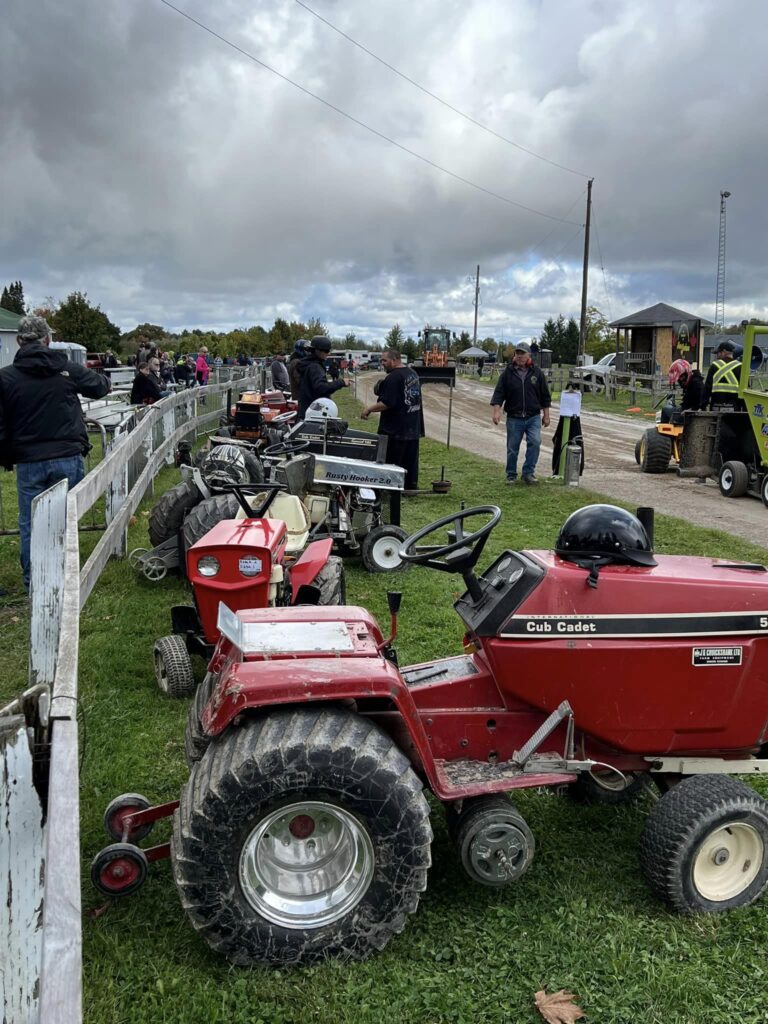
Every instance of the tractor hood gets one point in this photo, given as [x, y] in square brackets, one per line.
[536, 594]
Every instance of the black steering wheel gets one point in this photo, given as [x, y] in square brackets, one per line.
[665, 398]
[285, 448]
[462, 551]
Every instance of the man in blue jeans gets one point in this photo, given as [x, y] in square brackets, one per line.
[524, 395]
[42, 430]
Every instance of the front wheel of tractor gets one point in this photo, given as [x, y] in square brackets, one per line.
[380, 549]
[173, 667]
[703, 849]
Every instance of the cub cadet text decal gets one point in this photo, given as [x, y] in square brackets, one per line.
[618, 626]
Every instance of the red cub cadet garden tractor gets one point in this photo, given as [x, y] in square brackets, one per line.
[265, 560]
[303, 831]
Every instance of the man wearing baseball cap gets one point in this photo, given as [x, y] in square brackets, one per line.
[523, 393]
[42, 429]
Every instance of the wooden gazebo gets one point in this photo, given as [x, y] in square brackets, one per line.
[649, 340]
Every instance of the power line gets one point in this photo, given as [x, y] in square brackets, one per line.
[439, 99]
[361, 124]
[602, 267]
[537, 248]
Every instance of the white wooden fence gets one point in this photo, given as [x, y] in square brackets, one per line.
[40, 852]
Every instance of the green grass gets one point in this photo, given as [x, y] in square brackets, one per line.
[582, 918]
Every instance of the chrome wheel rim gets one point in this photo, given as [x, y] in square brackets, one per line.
[728, 861]
[386, 552]
[306, 865]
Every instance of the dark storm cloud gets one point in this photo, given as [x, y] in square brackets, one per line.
[177, 181]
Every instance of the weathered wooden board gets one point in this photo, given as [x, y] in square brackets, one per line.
[21, 876]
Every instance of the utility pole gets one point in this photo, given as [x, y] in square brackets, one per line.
[585, 274]
[477, 298]
[720, 290]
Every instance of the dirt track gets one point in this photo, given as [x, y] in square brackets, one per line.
[610, 462]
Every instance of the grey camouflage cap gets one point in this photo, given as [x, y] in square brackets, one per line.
[33, 328]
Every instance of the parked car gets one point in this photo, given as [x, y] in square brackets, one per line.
[596, 373]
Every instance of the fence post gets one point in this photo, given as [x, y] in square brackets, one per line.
[47, 554]
[21, 875]
[633, 387]
[116, 496]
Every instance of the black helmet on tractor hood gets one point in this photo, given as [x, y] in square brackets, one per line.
[604, 533]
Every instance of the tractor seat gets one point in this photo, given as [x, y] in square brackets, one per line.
[294, 514]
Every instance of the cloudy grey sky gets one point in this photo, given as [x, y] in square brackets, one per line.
[177, 181]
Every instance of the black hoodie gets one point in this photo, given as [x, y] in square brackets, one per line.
[40, 413]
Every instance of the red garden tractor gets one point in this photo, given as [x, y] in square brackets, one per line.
[264, 560]
[303, 831]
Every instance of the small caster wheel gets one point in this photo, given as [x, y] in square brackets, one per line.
[118, 810]
[495, 844]
[135, 556]
[119, 869]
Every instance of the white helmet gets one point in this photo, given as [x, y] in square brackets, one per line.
[322, 409]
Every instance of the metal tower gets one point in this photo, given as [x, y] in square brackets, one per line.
[720, 294]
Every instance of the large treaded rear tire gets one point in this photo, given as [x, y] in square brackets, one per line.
[167, 515]
[206, 515]
[655, 452]
[673, 845]
[322, 755]
[331, 582]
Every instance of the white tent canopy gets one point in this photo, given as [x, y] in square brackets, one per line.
[473, 352]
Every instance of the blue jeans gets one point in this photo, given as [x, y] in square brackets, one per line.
[32, 478]
[519, 427]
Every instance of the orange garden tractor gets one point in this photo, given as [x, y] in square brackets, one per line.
[303, 831]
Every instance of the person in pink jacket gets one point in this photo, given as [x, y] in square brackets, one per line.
[201, 368]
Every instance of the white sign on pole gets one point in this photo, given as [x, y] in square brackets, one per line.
[570, 403]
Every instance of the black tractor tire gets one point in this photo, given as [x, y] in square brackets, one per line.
[326, 767]
[195, 741]
[764, 489]
[379, 549]
[205, 515]
[638, 450]
[704, 848]
[733, 480]
[254, 467]
[604, 787]
[167, 515]
[331, 582]
[655, 451]
[173, 667]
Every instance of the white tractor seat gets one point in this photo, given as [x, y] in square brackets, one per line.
[292, 511]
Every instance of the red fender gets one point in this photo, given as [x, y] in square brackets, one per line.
[309, 563]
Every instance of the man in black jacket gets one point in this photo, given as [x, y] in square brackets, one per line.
[42, 430]
[399, 402]
[523, 392]
[314, 383]
[145, 389]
